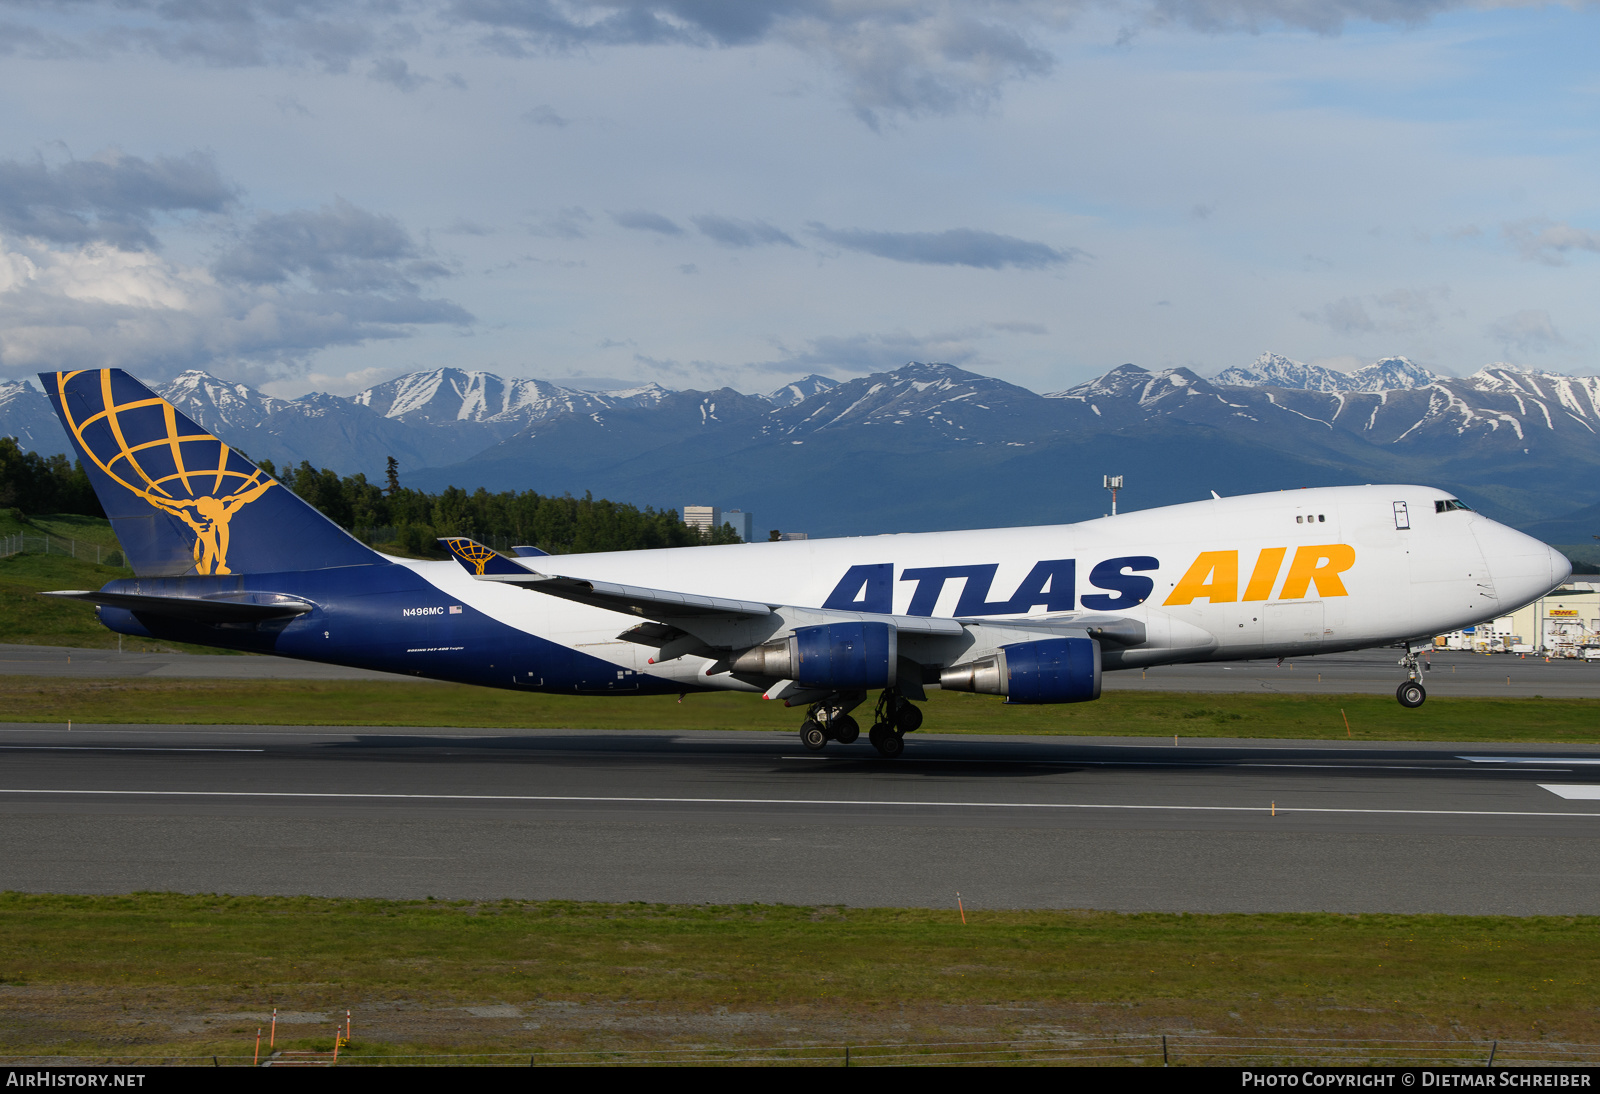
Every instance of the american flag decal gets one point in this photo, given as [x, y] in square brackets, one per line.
[455, 609]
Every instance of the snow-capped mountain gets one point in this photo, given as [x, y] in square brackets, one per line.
[1392, 374]
[800, 390]
[938, 400]
[26, 415]
[453, 395]
[931, 445]
[1275, 370]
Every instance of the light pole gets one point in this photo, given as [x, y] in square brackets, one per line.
[1113, 483]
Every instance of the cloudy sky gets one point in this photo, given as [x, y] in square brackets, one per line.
[709, 192]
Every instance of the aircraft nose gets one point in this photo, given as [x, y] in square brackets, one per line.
[1521, 567]
[1560, 567]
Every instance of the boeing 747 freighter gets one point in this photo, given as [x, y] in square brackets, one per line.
[226, 556]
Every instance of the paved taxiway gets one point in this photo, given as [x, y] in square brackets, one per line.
[735, 817]
[1365, 672]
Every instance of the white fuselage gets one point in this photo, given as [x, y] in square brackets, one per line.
[1295, 572]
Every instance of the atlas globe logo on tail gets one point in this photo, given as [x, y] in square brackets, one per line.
[141, 446]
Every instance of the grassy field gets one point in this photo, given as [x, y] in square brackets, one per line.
[27, 618]
[126, 970]
[1132, 714]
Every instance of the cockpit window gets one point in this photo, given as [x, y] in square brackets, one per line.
[1447, 506]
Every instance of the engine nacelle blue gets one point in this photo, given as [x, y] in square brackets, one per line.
[846, 656]
[1055, 670]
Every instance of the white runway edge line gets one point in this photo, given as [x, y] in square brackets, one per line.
[1573, 791]
[350, 796]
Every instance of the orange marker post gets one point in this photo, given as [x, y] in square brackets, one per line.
[1274, 809]
[1346, 718]
[257, 1059]
[962, 909]
[347, 1027]
[274, 1040]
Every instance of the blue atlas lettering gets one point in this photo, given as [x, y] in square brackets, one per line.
[864, 589]
[1130, 589]
[1050, 584]
[930, 583]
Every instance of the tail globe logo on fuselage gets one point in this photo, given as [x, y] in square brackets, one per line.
[182, 490]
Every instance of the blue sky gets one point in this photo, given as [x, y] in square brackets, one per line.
[710, 192]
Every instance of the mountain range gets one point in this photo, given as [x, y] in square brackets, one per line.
[932, 446]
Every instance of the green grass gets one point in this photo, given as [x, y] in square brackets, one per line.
[1126, 714]
[1356, 975]
[26, 618]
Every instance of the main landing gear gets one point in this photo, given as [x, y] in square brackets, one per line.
[829, 720]
[1411, 693]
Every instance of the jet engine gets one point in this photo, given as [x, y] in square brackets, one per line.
[834, 656]
[1054, 670]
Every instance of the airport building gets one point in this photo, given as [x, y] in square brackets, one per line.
[1564, 624]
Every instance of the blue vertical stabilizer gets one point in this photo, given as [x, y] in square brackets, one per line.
[180, 500]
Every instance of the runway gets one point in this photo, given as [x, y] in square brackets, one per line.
[1124, 824]
[1364, 672]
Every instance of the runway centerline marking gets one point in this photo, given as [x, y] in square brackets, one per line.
[620, 799]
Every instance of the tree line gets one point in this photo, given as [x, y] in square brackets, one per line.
[391, 514]
[413, 519]
[37, 484]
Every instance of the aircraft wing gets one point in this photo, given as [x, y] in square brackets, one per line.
[632, 599]
[661, 605]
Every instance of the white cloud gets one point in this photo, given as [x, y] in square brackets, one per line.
[1550, 241]
[1398, 311]
[1530, 331]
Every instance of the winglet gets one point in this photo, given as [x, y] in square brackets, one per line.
[479, 560]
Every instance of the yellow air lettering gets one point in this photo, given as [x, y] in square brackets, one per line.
[1214, 576]
[1319, 566]
[1265, 575]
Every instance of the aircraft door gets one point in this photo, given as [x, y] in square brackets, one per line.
[1293, 624]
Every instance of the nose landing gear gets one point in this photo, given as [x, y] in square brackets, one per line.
[1411, 693]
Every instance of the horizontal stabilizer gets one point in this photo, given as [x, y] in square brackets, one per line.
[194, 609]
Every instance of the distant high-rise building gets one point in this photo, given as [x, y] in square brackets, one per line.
[704, 517]
[743, 523]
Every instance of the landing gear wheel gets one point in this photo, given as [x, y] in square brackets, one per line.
[908, 718]
[888, 743]
[1411, 694]
[812, 735]
[844, 729]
